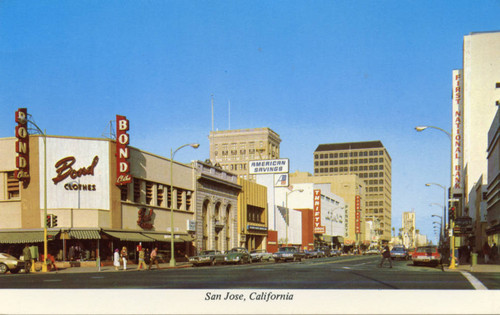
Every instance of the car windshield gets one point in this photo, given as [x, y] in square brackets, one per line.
[237, 250]
[287, 249]
[208, 252]
[426, 249]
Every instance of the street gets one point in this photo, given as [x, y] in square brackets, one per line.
[344, 273]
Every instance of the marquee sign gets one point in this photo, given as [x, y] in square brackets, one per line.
[318, 229]
[122, 151]
[358, 215]
[22, 172]
[457, 132]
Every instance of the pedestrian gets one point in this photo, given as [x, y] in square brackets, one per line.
[124, 256]
[116, 259]
[71, 253]
[154, 258]
[494, 252]
[386, 255]
[27, 258]
[147, 256]
[486, 252]
[138, 249]
[141, 259]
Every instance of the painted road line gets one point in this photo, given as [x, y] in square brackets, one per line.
[52, 280]
[473, 280]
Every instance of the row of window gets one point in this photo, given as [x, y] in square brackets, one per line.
[345, 169]
[348, 154]
[255, 214]
[155, 194]
[351, 161]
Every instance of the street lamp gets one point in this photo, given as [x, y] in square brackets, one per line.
[287, 212]
[172, 153]
[441, 238]
[44, 135]
[422, 128]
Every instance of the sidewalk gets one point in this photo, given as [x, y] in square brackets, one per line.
[476, 268]
[111, 268]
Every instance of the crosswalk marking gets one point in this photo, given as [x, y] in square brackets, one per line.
[473, 280]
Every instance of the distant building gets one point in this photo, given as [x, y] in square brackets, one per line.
[371, 162]
[233, 149]
[408, 226]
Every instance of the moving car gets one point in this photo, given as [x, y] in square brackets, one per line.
[426, 255]
[260, 255]
[208, 257]
[372, 251]
[12, 264]
[288, 253]
[238, 255]
[399, 252]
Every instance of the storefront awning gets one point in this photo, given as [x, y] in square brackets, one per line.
[84, 234]
[19, 237]
[165, 237]
[129, 236]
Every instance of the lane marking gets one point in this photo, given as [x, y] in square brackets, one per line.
[474, 281]
[53, 280]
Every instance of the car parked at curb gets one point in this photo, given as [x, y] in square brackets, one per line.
[12, 264]
[288, 253]
[426, 255]
[238, 255]
[372, 251]
[208, 257]
[260, 255]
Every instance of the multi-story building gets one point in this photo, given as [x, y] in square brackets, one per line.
[477, 92]
[372, 163]
[493, 213]
[252, 215]
[233, 149]
[349, 188]
[408, 229]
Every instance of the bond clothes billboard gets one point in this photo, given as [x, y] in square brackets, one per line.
[77, 173]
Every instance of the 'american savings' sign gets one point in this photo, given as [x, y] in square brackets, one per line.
[318, 229]
[122, 151]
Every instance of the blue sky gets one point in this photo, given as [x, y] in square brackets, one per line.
[313, 71]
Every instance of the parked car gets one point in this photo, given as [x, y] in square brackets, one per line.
[288, 253]
[326, 250]
[426, 255]
[238, 255]
[318, 253]
[12, 264]
[208, 257]
[308, 253]
[336, 252]
[260, 255]
[399, 252]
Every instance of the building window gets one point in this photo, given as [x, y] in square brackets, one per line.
[137, 190]
[159, 195]
[123, 192]
[149, 192]
[316, 156]
[12, 186]
[335, 155]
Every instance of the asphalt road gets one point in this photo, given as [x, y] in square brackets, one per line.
[346, 272]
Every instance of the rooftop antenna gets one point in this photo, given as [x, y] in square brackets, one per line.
[111, 135]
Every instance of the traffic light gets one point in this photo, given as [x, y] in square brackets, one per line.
[48, 220]
[451, 213]
[54, 220]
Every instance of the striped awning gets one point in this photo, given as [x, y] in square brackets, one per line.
[84, 234]
[165, 237]
[19, 237]
[129, 236]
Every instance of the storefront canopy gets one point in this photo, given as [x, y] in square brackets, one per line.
[165, 237]
[129, 236]
[84, 234]
[19, 237]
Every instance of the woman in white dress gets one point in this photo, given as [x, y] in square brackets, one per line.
[116, 259]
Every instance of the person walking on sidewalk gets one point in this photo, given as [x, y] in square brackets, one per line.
[141, 259]
[386, 255]
[494, 253]
[124, 255]
[486, 252]
[116, 259]
[154, 258]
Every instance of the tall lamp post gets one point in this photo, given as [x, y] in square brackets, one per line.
[287, 212]
[172, 153]
[441, 236]
[44, 137]
[452, 239]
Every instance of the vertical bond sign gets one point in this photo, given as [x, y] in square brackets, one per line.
[22, 172]
[122, 151]
[357, 224]
[318, 229]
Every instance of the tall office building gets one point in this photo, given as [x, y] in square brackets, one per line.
[232, 149]
[372, 163]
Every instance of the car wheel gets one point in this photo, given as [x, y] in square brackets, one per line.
[3, 268]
